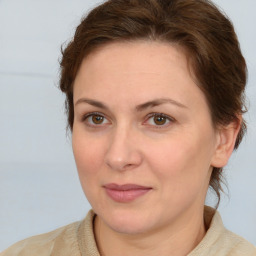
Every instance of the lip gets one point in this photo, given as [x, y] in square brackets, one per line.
[125, 193]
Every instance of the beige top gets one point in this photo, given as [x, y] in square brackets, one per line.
[77, 239]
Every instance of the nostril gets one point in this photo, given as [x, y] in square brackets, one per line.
[127, 166]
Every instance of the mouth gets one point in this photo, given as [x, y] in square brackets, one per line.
[125, 193]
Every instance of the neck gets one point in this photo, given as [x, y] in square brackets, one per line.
[176, 240]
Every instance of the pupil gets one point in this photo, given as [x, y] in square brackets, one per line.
[97, 119]
[160, 120]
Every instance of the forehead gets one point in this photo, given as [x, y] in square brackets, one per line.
[132, 56]
[137, 70]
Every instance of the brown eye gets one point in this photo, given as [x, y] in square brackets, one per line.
[160, 120]
[97, 119]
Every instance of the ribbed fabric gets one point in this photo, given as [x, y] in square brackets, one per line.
[86, 238]
[77, 239]
[219, 241]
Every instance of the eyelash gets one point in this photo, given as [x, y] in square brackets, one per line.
[151, 115]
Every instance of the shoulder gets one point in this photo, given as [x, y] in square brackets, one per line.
[229, 242]
[220, 241]
[62, 241]
[236, 245]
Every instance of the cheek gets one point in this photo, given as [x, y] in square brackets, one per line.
[182, 163]
[171, 157]
[88, 153]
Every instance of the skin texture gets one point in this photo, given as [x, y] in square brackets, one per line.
[126, 145]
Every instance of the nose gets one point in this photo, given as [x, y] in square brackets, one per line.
[123, 152]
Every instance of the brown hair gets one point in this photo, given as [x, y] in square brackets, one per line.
[196, 25]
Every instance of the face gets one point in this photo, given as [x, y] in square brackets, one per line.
[142, 137]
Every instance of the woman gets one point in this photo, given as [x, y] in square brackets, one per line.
[154, 98]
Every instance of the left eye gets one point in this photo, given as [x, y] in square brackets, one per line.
[95, 119]
[159, 119]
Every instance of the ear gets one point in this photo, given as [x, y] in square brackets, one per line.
[226, 138]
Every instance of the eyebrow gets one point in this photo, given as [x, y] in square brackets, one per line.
[158, 102]
[139, 108]
[92, 102]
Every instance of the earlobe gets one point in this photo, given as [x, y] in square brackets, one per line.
[225, 143]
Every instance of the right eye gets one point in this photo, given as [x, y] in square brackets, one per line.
[95, 119]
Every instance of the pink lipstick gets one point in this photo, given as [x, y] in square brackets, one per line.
[125, 193]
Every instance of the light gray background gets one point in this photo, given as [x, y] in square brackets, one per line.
[39, 187]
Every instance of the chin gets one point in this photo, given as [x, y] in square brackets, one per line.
[129, 222]
[128, 227]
